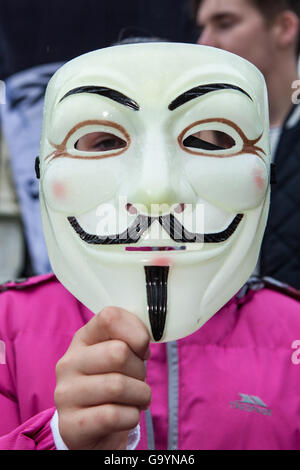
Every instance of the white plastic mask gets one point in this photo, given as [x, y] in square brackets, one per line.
[154, 181]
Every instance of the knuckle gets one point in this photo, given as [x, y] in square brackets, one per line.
[60, 395]
[109, 417]
[62, 366]
[134, 417]
[143, 338]
[116, 387]
[68, 363]
[108, 316]
[119, 353]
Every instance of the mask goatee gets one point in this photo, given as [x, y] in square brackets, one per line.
[157, 298]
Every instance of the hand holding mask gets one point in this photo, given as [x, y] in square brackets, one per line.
[154, 181]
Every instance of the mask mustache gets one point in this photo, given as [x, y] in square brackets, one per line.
[170, 224]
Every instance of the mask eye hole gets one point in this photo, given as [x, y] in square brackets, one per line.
[210, 140]
[100, 142]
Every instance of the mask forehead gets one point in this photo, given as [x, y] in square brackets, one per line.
[160, 80]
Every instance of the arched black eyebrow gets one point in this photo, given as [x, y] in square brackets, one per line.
[203, 90]
[104, 91]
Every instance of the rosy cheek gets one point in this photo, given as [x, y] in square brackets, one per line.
[59, 190]
[259, 177]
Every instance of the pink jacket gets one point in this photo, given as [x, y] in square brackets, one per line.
[234, 384]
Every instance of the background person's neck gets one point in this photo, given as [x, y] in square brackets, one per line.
[279, 83]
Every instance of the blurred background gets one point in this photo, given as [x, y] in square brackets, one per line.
[36, 37]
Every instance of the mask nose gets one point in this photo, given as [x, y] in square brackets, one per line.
[155, 185]
[156, 179]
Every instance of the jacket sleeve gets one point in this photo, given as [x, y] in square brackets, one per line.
[34, 433]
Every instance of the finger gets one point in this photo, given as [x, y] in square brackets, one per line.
[97, 422]
[116, 323]
[97, 390]
[110, 356]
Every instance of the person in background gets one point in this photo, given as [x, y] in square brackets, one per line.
[37, 38]
[13, 250]
[14, 262]
[267, 34]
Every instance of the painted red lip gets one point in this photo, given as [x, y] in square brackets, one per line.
[155, 248]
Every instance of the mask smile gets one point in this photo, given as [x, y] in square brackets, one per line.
[171, 225]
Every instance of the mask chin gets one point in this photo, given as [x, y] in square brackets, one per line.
[173, 293]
